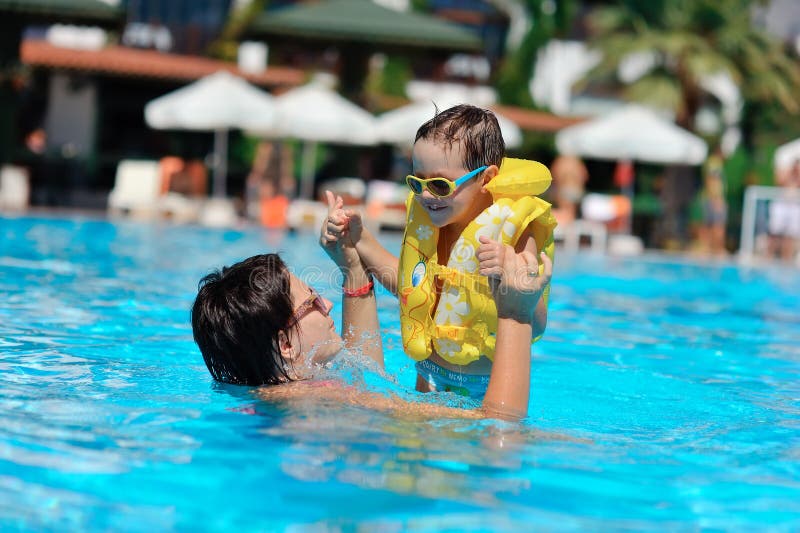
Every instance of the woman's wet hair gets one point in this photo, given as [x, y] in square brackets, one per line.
[475, 129]
[237, 316]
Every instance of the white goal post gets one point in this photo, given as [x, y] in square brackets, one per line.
[756, 213]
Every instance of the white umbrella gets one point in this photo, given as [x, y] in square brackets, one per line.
[633, 133]
[219, 102]
[786, 155]
[316, 113]
[400, 125]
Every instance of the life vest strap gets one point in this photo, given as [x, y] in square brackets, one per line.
[451, 277]
[478, 332]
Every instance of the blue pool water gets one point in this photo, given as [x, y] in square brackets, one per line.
[666, 396]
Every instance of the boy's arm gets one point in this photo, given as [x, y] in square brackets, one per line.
[378, 260]
[516, 288]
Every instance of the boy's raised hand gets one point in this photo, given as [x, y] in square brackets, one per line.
[514, 277]
[338, 229]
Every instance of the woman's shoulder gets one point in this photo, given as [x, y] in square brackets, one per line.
[301, 389]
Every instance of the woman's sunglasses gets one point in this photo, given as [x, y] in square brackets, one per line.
[314, 301]
[440, 187]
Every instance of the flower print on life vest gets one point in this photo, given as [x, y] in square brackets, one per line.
[463, 256]
[494, 220]
[451, 310]
[447, 347]
[424, 232]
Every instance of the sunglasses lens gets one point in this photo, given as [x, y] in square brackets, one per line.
[414, 185]
[439, 187]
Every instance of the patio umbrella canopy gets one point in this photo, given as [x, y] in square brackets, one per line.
[366, 22]
[219, 102]
[64, 11]
[316, 113]
[400, 125]
[633, 133]
[786, 155]
[358, 29]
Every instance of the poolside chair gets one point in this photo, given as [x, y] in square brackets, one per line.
[352, 190]
[219, 213]
[14, 188]
[137, 188]
[386, 204]
[572, 234]
[306, 214]
[597, 211]
[603, 222]
[613, 212]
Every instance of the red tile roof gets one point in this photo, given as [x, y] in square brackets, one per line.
[123, 61]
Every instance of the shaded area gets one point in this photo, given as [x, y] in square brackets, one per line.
[358, 28]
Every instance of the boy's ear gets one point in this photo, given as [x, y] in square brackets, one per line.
[487, 176]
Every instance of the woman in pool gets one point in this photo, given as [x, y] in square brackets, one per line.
[258, 324]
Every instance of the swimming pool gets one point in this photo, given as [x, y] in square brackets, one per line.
[665, 396]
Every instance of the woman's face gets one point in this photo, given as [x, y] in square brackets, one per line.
[315, 337]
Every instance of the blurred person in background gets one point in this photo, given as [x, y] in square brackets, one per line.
[714, 206]
[270, 185]
[569, 177]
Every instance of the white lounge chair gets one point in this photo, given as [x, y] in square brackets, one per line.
[137, 188]
[14, 188]
[601, 216]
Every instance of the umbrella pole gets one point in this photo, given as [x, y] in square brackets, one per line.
[220, 162]
[307, 175]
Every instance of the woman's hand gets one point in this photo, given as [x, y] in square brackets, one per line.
[514, 278]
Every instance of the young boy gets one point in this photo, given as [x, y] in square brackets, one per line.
[466, 203]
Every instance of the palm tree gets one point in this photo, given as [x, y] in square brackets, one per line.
[688, 40]
[547, 20]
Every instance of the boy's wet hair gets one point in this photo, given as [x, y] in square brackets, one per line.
[237, 316]
[475, 129]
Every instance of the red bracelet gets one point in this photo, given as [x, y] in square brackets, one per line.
[361, 291]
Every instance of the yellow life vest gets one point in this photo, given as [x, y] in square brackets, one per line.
[463, 325]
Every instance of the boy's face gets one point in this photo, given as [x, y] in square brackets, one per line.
[432, 160]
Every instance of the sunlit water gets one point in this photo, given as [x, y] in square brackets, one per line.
[666, 396]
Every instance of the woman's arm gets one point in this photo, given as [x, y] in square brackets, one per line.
[339, 393]
[517, 288]
[360, 328]
[527, 243]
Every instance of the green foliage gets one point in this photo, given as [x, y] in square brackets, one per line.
[391, 79]
[517, 69]
[226, 46]
[536, 145]
[243, 149]
[690, 39]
